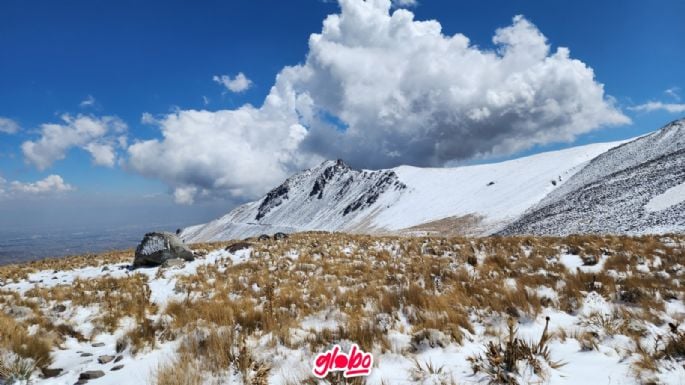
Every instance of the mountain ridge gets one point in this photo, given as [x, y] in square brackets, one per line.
[332, 196]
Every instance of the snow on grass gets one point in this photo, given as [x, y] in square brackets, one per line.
[289, 353]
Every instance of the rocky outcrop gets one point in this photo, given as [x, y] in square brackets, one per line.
[157, 248]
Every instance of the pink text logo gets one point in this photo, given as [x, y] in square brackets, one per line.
[356, 363]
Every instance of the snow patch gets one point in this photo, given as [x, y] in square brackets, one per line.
[668, 198]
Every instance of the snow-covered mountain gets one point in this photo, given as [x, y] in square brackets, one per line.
[638, 187]
[635, 186]
[479, 199]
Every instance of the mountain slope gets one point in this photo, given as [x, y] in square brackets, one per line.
[638, 187]
[477, 200]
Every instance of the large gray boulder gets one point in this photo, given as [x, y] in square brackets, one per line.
[157, 248]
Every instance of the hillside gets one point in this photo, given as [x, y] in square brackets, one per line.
[474, 200]
[637, 187]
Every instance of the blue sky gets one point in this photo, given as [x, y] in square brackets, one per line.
[127, 58]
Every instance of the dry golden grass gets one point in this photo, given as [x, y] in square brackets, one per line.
[372, 283]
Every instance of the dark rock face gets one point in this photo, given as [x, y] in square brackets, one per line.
[388, 180]
[273, 199]
[326, 176]
[156, 248]
[238, 246]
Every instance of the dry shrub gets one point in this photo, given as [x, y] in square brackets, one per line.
[15, 338]
[502, 362]
[182, 371]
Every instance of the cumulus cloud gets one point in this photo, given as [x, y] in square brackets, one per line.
[8, 126]
[238, 84]
[380, 89]
[673, 108]
[50, 184]
[236, 152]
[97, 135]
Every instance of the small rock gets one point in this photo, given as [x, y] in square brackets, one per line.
[279, 236]
[105, 359]
[118, 367]
[200, 252]
[264, 237]
[49, 372]
[105, 268]
[232, 248]
[119, 358]
[86, 354]
[98, 344]
[80, 382]
[19, 311]
[59, 308]
[91, 375]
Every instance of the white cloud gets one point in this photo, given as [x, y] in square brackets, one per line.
[380, 89]
[673, 108]
[185, 195]
[8, 126]
[405, 3]
[96, 135]
[238, 84]
[673, 92]
[103, 154]
[87, 102]
[51, 184]
[239, 153]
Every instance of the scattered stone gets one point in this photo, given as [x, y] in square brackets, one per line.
[80, 382]
[122, 344]
[98, 344]
[173, 262]
[59, 308]
[590, 260]
[428, 338]
[86, 354]
[491, 183]
[264, 237]
[513, 312]
[155, 248]
[200, 252]
[106, 268]
[19, 311]
[119, 358]
[118, 367]
[51, 372]
[105, 359]
[91, 375]
[232, 248]
[279, 236]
